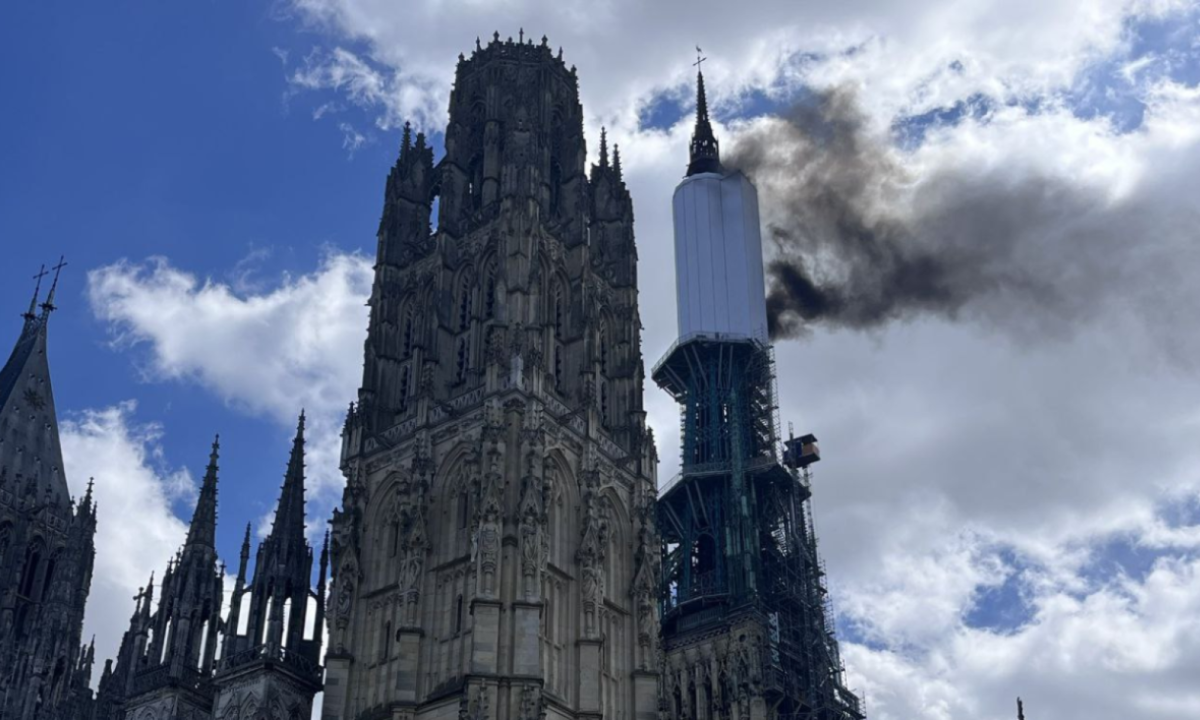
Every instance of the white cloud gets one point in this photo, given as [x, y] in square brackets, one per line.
[265, 351]
[958, 458]
[136, 532]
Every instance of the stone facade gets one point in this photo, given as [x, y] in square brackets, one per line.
[492, 556]
[180, 660]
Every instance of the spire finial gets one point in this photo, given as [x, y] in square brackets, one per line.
[37, 290]
[522, 35]
[1020, 709]
[705, 151]
[603, 147]
[216, 450]
[617, 160]
[49, 306]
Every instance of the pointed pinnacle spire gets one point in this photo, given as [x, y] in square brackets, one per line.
[49, 306]
[705, 151]
[1020, 709]
[617, 160]
[149, 594]
[37, 291]
[289, 516]
[203, 529]
[603, 147]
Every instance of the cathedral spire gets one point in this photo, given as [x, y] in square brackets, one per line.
[705, 151]
[25, 392]
[203, 529]
[289, 516]
[603, 147]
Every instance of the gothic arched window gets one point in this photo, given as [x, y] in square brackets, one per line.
[603, 402]
[475, 183]
[602, 346]
[464, 303]
[405, 378]
[464, 360]
[458, 615]
[558, 366]
[407, 333]
[464, 509]
[33, 561]
[555, 187]
[489, 296]
[557, 310]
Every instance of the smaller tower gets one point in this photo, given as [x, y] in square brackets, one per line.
[167, 655]
[274, 668]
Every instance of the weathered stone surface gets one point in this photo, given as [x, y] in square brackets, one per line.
[499, 422]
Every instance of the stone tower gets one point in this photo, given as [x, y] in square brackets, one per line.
[165, 663]
[747, 632]
[273, 670]
[494, 557]
[46, 543]
[180, 660]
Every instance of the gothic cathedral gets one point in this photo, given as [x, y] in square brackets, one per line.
[495, 557]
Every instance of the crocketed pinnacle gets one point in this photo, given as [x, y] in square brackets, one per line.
[203, 530]
[289, 516]
[705, 151]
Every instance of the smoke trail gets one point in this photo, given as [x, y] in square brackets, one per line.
[859, 242]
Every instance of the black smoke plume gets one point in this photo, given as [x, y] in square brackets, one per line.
[861, 240]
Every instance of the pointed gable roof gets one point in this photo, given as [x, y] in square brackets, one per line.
[29, 444]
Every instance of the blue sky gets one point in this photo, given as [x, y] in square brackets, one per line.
[137, 130]
[992, 490]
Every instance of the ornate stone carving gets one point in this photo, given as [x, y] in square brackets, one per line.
[474, 706]
[485, 541]
[532, 707]
[532, 518]
[593, 548]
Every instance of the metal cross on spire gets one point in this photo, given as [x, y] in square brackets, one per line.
[49, 304]
[699, 58]
[37, 290]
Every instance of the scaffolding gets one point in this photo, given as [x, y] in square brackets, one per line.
[737, 530]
